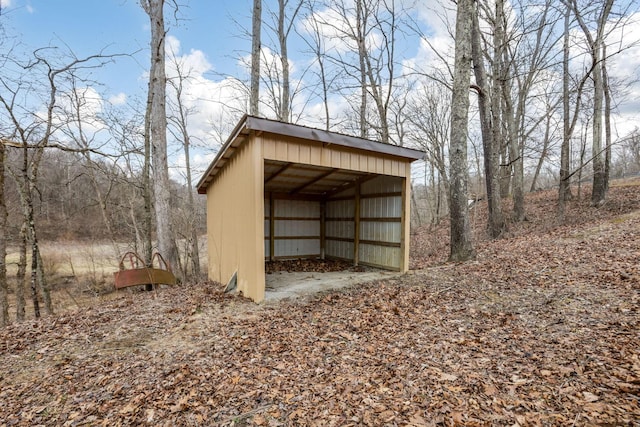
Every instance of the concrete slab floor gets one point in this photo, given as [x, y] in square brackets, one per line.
[280, 285]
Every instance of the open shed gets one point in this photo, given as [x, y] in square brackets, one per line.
[283, 191]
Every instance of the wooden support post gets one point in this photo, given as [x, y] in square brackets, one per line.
[323, 225]
[356, 225]
[405, 222]
[272, 228]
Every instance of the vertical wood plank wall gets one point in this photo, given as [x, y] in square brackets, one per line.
[292, 228]
[235, 222]
[366, 224]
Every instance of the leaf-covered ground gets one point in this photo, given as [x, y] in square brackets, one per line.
[542, 329]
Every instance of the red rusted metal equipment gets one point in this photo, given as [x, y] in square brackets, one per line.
[140, 274]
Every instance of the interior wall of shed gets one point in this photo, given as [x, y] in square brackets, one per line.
[363, 224]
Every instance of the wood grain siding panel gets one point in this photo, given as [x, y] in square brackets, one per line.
[235, 222]
[331, 156]
[380, 225]
[339, 232]
[296, 228]
[380, 256]
[305, 154]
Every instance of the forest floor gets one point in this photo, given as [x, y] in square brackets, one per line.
[541, 329]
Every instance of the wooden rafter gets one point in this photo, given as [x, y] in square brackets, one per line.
[278, 172]
[313, 181]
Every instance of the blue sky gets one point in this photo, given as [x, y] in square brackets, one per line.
[121, 26]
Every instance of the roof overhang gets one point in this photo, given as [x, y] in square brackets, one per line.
[250, 123]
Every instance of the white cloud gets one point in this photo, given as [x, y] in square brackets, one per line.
[214, 107]
[118, 99]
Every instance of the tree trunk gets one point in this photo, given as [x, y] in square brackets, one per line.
[254, 98]
[415, 208]
[21, 274]
[158, 124]
[461, 244]
[147, 190]
[490, 141]
[543, 154]
[607, 118]
[4, 287]
[194, 252]
[564, 187]
[43, 285]
[363, 72]
[285, 114]
[598, 190]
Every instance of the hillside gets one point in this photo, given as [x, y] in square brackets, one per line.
[542, 329]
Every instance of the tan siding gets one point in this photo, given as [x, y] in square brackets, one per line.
[331, 156]
[235, 222]
[296, 218]
[381, 222]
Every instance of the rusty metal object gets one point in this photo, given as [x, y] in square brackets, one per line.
[140, 274]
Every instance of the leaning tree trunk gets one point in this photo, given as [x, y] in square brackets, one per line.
[461, 244]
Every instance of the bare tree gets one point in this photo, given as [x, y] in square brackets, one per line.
[254, 98]
[596, 43]
[368, 30]
[4, 287]
[461, 244]
[158, 128]
[179, 128]
[284, 20]
[316, 42]
[490, 127]
[564, 187]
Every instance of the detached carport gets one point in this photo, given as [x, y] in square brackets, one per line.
[281, 191]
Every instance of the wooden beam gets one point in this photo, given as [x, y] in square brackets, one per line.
[381, 243]
[357, 182]
[272, 227]
[405, 223]
[278, 172]
[313, 181]
[323, 227]
[307, 197]
[356, 225]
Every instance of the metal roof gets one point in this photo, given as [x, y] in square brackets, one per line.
[251, 123]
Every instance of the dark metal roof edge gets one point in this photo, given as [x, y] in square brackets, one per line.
[303, 132]
[203, 182]
[313, 134]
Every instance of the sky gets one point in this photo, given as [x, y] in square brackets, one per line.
[121, 26]
[209, 36]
